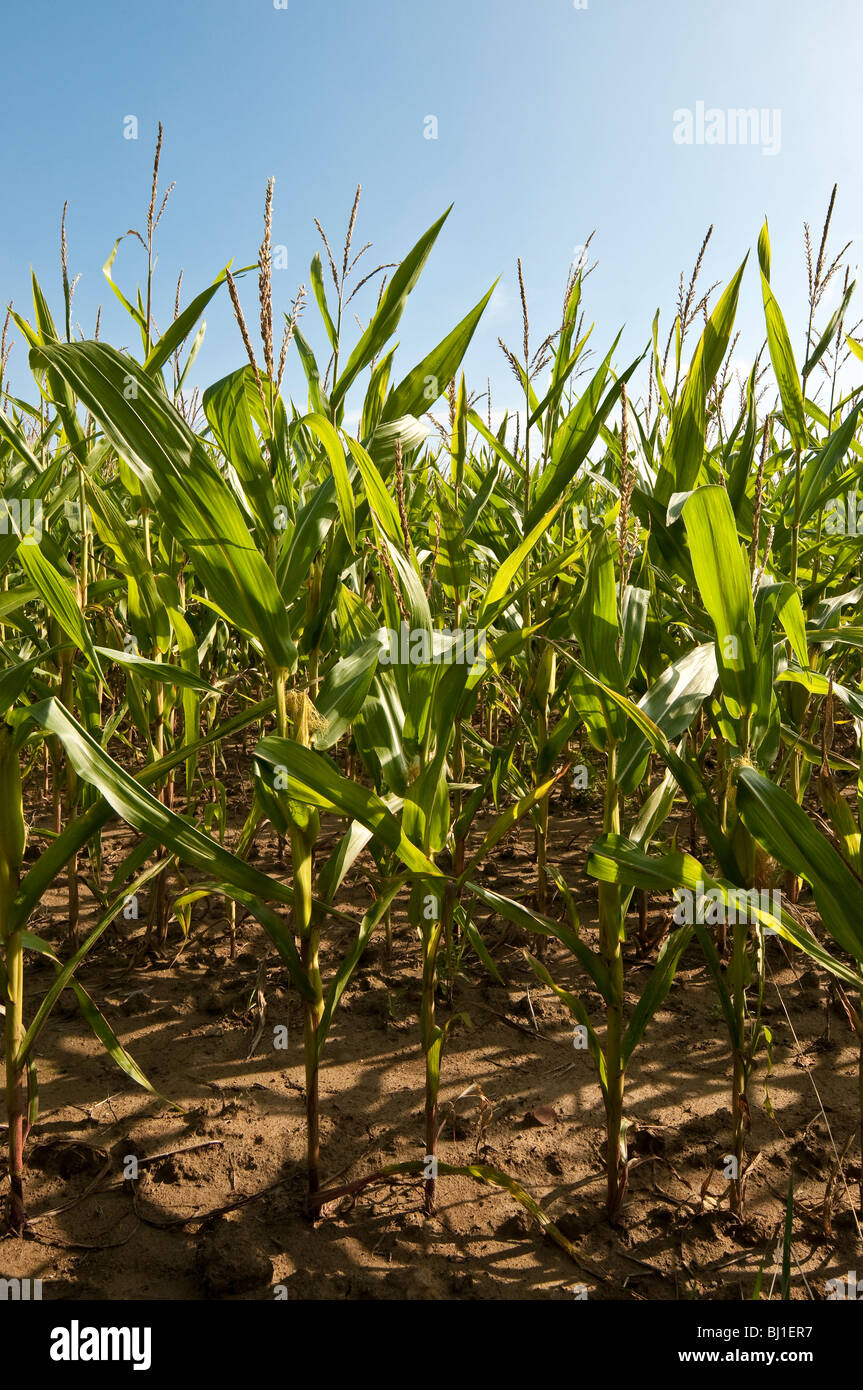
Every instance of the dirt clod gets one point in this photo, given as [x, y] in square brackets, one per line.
[228, 1262]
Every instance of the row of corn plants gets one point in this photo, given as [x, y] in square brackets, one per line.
[418, 629]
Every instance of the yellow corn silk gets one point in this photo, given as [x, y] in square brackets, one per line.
[304, 717]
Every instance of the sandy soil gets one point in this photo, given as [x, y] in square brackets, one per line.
[216, 1210]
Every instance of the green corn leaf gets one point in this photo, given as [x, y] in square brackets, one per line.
[723, 580]
[58, 599]
[656, 989]
[173, 337]
[388, 313]
[785, 368]
[164, 672]
[343, 693]
[784, 828]
[328, 436]
[684, 449]
[316, 275]
[312, 779]
[351, 960]
[579, 1012]
[142, 811]
[111, 1043]
[497, 594]
[427, 381]
[195, 503]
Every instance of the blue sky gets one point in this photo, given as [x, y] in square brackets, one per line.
[552, 121]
